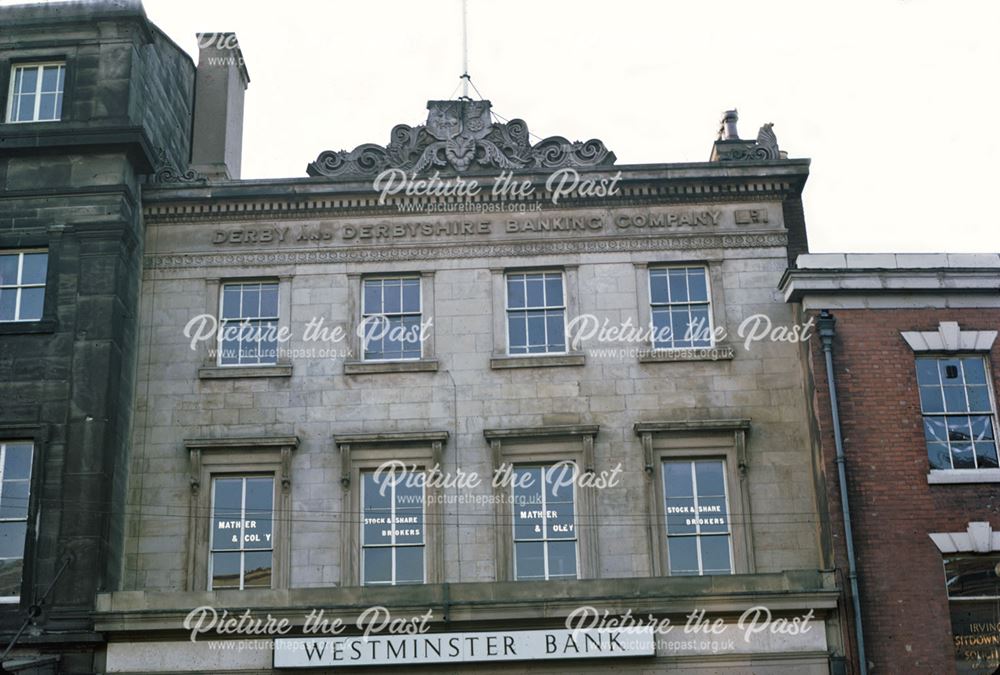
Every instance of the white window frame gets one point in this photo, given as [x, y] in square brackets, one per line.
[708, 291]
[18, 285]
[243, 509]
[545, 540]
[365, 314]
[697, 535]
[937, 357]
[222, 322]
[39, 66]
[393, 546]
[507, 309]
[13, 599]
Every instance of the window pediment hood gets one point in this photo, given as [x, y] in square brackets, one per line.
[461, 136]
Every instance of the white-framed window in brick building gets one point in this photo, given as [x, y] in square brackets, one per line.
[959, 411]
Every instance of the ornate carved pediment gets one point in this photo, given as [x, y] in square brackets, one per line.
[460, 136]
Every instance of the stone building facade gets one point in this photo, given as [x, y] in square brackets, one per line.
[916, 366]
[92, 99]
[292, 431]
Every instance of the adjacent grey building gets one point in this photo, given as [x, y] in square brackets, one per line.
[484, 409]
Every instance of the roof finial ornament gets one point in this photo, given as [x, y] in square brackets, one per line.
[465, 51]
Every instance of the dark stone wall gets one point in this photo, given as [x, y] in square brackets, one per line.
[73, 186]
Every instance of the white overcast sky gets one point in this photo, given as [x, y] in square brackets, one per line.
[895, 101]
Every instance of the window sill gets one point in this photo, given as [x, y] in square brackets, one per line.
[720, 352]
[27, 327]
[373, 367]
[227, 372]
[537, 361]
[961, 476]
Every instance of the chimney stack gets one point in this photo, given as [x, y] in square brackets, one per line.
[220, 83]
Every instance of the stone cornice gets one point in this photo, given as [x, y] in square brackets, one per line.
[796, 284]
[358, 254]
[548, 431]
[640, 185]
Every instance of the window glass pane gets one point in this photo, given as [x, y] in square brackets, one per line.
[373, 297]
[409, 564]
[683, 552]
[17, 461]
[931, 399]
[377, 564]
[392, 294]
[958, 429]
[536, 331]
[658, 287]
[678, 285]
[259, 513]
[231, 301]
[257, 569]
[562, 559]
[711, 482]
[680, 515]
[29, 79]
[986, 454]
[34, 267]
[680, 321]
[226, 570]
[515, 291]
[962, 456]
[47, 107]
[31, 303]
[251, 301]
[25, 108]
[954, 399]
[701, 327]
[50, 78]
[8, 270]
[12, 539]
[230, 349]
[14, 499]
[10, 577]
[411, 295]
[518, 329]
[938, 455]
[712, 516]
[269, 341]
[226, 523]
[560, 521]
[662, 335]
[982, 428]
[935, 429]
[8, 303]
[677, 479]
[979, 398]
[697, 285]
[529, 560]
[553, 290]
[974, 370]
[377, 511]
[269, 300]
[715, 555]
[927, 372]
[557, 334]
[535, 290]
[950, 371]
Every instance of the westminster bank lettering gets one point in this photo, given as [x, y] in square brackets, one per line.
[462, 647]
[393, 230]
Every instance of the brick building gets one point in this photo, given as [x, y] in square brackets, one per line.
[917, 367]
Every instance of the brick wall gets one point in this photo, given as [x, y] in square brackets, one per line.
[902, 585]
